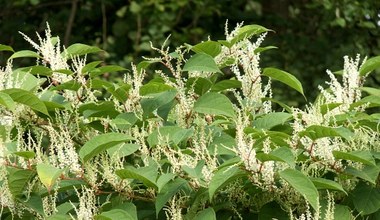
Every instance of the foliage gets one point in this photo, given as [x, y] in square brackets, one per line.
[310, 35]
[187, 143]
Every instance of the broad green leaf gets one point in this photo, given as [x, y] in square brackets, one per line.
[154, 87]
[147, 175]
[366, 198]
[226, 84]
[125, 120]
[223, 144]
[164, 179]
[18, 179]
[271, 120]
[123, 150]
[364, 157]
[285, 78]
[24, 53]
[368, 173]
[144, 64]
[342, 212]
[80, 49]
[272, 211]
[167, 192]
[283, 154]
[69, 85]
[322, 183]
[248, 31]
[223, 177]
[105, 109]
[303, 185]
[315, 132]
[25, 154]
[211, 48]
[201, 63]
[7, 101]
[214, 104]
[38, 70]
[169, 135]
[106, 69]
[90, 66]
[101, 143]
[48, 174]
[369, 65]
[328, 107]
[6, 48]
[115, 214]
[156, 101]
[208, 214]
[24, 80]
[199, 84]
[58, 217]
[371, 91]
[195, 172]
[34, 202]
[27, 98]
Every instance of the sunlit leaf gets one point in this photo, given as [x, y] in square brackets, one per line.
[48, 174]
[214, 104]
[285, 78]
[303, 185]
[27, 98]
[201, 63]
[101, 143]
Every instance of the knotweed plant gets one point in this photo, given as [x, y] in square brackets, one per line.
[193, 133]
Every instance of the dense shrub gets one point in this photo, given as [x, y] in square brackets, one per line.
[202, 139]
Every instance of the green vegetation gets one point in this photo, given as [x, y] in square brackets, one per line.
[189, 142]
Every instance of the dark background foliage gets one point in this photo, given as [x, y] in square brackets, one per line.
[311, 35]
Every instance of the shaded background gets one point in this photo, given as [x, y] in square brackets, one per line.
[311, 35]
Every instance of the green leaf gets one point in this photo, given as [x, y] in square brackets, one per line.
[164, 179]
[157, 101]
[285, 78]
[25, 154]
[123, 150]
[168, 135]
[6, 48]
[303, 185]
[368, 173]
[199, 84]
[154, 87]
[208, 214]
[271, 120]
[342, 212]
[366, 198]
[18, 179]
[147, 175]
[34, 202]
[364, 157]
[106, 69]
[214, 104]
[272, 211]
[322, 183]
[24, 53]
[101, 143]
[223, 177]
[329, 107]
[248, 31]
[369, 66]
[69, 85]
[226, 84]
[7, 101]
[27, 98]
[125, 120]
[90, 66]
[58, 217]
[201, 63]
[211, 48]
[315, 132]
[24, 80]
[371, 91]
[80, 49]
[48, 174]
[38, 70]
[103, 109]
[167, 192]
[262, 49]
[115, 214]
[282, 154]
